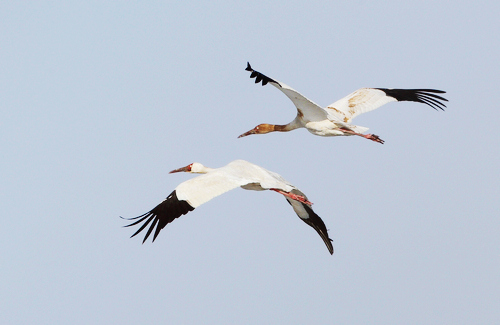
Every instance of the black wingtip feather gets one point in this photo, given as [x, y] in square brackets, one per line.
[259, 76]
[144, 216]
[163, 214]
[425, 96]
[155, 221]
[317, 224]
[143, 226]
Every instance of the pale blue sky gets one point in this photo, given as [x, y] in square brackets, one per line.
[99, 100]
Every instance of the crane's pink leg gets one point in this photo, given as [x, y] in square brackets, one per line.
[372, 137]
[296, 197]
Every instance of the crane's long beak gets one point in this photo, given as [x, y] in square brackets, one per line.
[252, 131]
[182, 169]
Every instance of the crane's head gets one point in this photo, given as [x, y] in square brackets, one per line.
[259, 129]
[192, 168]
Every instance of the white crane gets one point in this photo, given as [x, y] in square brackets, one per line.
[335, 119]
[239, 173]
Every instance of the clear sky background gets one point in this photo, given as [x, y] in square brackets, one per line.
[100, 100]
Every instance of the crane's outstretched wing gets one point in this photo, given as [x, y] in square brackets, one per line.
[306, 107]
[306, 214]
[367, 99]
[185, 198]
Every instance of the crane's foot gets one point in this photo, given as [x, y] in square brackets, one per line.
[374, 137]
[293, 196]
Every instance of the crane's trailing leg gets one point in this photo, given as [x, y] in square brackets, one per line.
[372, 137]
[295, 197]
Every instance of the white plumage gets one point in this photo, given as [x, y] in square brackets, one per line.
[336, 118]
[194, 192]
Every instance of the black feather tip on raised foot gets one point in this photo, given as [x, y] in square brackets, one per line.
[259, 76]
[425, 96]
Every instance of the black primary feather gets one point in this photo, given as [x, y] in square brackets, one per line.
[317, 223]
[164, 213]
[260, 77]
[425, 96]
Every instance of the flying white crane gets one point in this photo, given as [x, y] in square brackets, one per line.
[239, 173]
[335, 119]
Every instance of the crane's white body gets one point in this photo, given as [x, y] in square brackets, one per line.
[319, 120]
[330, 120]
[194, 192]
[238, 173]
